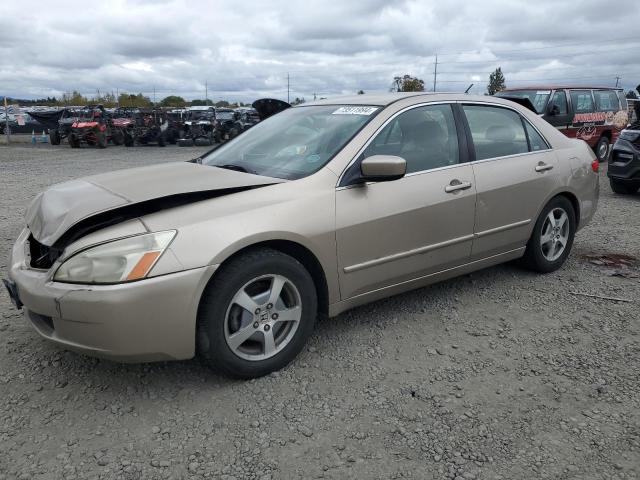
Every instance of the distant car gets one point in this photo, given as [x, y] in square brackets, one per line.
[318, 209]
[595, 115]
[227, 123]
[624, 165]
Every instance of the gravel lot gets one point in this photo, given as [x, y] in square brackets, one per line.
[502, 374]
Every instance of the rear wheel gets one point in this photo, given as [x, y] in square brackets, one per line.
[256, 314]
[624, 188]
[117, 137]
[54, 137]
[73, 141]
[552, 237]
[128, 140]
[101, 139]
[162, 142]
[602, 149]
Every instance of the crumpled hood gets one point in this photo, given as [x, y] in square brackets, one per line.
[54, 211]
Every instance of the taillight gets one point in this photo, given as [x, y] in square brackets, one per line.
[595, 166]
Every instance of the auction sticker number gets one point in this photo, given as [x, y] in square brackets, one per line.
[355, 111]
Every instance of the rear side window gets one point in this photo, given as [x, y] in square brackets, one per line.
[536, 142]
[623, 100]
[496, 132]
[606, 101]
[582, 101]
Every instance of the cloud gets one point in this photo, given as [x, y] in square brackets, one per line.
[243, 50]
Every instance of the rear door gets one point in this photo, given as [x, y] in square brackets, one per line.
[514, 173]
[391, 232]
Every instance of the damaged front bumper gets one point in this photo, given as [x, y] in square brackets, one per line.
[148, 320]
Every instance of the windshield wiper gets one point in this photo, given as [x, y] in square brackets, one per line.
[237, 168]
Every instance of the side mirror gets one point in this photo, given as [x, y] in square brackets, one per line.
[554, 110]
[382, 168]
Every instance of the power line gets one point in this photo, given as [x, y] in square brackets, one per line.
[582, 44]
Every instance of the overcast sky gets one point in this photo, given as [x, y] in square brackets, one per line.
[244, 49]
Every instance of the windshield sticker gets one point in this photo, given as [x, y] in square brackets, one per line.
[355, 111]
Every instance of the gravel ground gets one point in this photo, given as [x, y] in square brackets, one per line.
[501, 374]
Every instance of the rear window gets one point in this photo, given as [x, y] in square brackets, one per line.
[606, 101]
[582, 101]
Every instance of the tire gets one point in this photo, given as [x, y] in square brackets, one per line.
[162, 142]
[219, 317]
[542, 258]
[128, 140]
[73, 141]
[185, 142]
[101, 140]
[602, 149]
[117, 137]
[54, 137]
[624, 188]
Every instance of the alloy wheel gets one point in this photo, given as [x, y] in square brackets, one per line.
[263, 317]
[555, 234]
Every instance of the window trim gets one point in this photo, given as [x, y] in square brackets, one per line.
[566, 101]
[522, 117]
[463, 150]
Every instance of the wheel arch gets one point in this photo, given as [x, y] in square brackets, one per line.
[294, 249]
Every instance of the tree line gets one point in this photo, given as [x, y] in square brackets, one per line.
[124, 99]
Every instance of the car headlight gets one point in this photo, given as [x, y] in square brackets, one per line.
[118, 261]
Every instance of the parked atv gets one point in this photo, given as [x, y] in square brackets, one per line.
[92, 127]
[199, 127]
[58, 122]
[227, 123]
[142, 127]
[248, 118]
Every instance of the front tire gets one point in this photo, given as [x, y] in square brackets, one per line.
[602, 149]
[623, 188]
[552, 237]
[256, 314]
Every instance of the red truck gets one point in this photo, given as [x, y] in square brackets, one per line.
[596, 115]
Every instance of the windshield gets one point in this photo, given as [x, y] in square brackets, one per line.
[538, 98]
[294, 143]
[200, 115]
[224, 115]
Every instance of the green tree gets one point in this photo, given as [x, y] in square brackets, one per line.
[130, 100]
[173, 101]
[496, 82]
[407, 83]
[74, 98]
[360, 92]
[197, 102]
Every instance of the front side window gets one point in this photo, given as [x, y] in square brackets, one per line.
[496, 132]
[582, 101]
[560, 100]
[606, 101]
[424, 136]
[293, 143]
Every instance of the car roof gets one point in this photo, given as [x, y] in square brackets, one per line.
[384, 99]
[560, 87]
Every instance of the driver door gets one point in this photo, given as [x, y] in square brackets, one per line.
[391, 232]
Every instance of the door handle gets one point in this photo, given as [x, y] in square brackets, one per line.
[543, 167]
[456, 185]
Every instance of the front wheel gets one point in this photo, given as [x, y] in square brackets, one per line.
[623, 188]
[256, 314]
[552, 237]
[54, 137]
[602, 149]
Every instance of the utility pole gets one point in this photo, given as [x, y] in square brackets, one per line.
[288, 85]
[435, 74]
[206, 93]
[617, 81]
[6, 120]
[154, 96]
